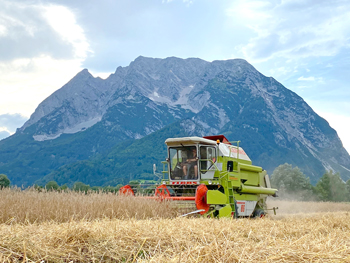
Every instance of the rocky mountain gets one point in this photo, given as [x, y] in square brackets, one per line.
[89, 118]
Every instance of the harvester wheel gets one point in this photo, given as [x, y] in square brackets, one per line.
[162, 191]
[201, 198]
[259, 213]
[126, 190]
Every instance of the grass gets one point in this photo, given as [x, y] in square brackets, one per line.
[141, 230]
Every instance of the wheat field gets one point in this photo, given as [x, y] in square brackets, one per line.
[77, 227]
[31, 206]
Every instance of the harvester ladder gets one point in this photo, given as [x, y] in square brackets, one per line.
[231, 198]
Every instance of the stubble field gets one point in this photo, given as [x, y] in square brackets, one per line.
[77, 227]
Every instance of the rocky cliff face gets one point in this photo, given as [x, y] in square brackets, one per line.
[76, 106]
[274, 124]
[178, 84]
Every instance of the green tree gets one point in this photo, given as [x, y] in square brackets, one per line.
[81, 187]
[96, 189]
[64, 187]
[348, 188]
[331, 187]
[4, 181]
[110, 189]
[37, 187]
[52, 185]
[291, 183]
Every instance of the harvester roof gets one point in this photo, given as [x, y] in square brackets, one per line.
[221, 138]
[189, 141]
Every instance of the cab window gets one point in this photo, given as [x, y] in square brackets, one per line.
[207, 158]
[183, 163]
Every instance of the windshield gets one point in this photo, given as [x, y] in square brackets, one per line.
[183, 163]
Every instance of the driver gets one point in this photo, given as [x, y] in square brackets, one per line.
[191, 162]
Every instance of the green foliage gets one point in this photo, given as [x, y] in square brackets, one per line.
[64, 187]
[39, 188]
[134, 183]
[106, 189]
[52, 185]
[143, 187]
[81, 187]
[96, 189]
[126, 161]
[291, 183]
[110, 189]
[4, 181]
[332, 188]
[348, 187]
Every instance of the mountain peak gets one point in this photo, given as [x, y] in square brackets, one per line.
[144, 59]
[234, 63]
[84, 73]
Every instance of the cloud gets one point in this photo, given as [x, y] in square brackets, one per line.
[4, 134]
[293, 29]
[41, 48]
[68, 28]
[306, 79]
[335, 111]
[319, 80]
[31, 29]
[24, 83]
[10, 122]
[188, 2]
[122, 30]
[26, 33]
[341, 124]
[281, 70]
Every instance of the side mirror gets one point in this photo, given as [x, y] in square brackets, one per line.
[230, 166]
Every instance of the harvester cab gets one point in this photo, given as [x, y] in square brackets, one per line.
[191, 159]
[217, 176]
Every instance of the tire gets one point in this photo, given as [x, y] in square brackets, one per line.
[259, 213]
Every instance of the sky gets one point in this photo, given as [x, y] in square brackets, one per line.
[303, 44]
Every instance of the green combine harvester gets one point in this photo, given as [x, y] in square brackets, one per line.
[214, 174]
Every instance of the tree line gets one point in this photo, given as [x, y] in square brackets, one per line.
[293, 184]
[290, 182]
[53, 186]
[79, 187]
